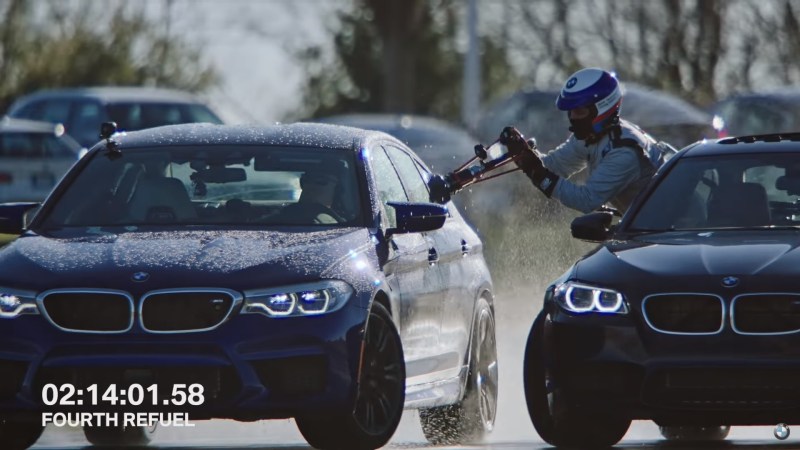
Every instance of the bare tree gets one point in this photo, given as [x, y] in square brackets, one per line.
[62, 44]
[697, 49]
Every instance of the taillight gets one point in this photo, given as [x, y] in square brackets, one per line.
[5, 178]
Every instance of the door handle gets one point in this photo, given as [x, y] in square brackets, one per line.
[465, 248]
[433, 256]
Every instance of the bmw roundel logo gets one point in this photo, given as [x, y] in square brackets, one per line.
[730, 281]
[572, 82]
[140, 276]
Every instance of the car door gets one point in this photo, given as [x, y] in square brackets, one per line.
[467, 273]
[420, 293]
[447, 245]
[466, 270]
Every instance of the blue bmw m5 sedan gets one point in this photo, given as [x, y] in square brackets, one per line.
[204, 271]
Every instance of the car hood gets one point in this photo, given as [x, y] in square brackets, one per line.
[680, 259]
[181, 258]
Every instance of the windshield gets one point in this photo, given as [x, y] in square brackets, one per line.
[208, 185]
[725, 191]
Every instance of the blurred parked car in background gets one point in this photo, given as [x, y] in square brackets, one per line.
[776, 111]
[82, 110]
[666, 117]
[442, 145]
[33, 157]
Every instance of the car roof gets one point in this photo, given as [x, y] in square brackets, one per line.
[297, 134]
[117, 94]
[30, 126]
[765, 143]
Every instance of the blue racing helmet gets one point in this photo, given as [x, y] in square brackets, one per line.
[594, 88]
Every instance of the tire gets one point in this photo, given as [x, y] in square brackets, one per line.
[19, 435]
[119, 436]
[694, 433]
[557, 422]
[379, 401]
[471, 419]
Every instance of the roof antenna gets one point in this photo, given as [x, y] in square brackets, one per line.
[107, 130]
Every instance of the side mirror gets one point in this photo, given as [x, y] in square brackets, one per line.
[417, 217]
[593, 227]
[13, 217]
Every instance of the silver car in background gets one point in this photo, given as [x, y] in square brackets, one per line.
[33, 157]
[764, 112]
[82, 110]
[534, 113]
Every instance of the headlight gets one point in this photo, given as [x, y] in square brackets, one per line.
[298, 300]
[14, 303]
[581, 298]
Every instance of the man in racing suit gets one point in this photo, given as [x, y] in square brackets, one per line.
[620, 157]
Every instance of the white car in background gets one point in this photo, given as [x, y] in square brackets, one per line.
[33, 157]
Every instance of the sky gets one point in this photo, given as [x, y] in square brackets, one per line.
[249, 42]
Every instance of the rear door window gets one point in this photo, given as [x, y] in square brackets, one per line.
[199, 113]
[137, 116]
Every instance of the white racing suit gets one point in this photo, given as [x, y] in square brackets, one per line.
[620, 164]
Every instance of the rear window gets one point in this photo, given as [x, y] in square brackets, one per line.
[34, 146]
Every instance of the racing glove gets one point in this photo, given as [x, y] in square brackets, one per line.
[528, 160]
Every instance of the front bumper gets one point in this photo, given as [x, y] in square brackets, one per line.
[616, 362]
[251, 367]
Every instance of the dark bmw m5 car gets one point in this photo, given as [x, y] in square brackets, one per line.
[246, 273]
[688, 313]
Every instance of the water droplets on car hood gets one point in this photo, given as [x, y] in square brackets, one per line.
[214, 251]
